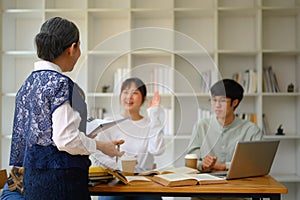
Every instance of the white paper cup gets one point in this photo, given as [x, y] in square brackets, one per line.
[191, 160]
[128, 165]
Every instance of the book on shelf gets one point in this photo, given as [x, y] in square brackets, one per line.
[245, 81]
[175, 179]
[160, 77]
[248, 116]
[270, 83]
[160, 80]
[252, 86]
[206, 81]
[274, 81]
[120, 75]
[265, 126]
[203, 113]
[173, 170]
[95, 125]
[248, 79]
[168, 121]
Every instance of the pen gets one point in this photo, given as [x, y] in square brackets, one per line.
[118, 148]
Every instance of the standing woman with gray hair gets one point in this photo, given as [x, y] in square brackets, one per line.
[49, 127]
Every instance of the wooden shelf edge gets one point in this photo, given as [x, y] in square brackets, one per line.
[283, 137]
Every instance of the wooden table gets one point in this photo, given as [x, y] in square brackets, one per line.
[255, 188]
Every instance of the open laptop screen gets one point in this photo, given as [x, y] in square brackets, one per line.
[251, 158]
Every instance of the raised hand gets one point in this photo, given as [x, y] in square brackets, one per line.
[155, 100]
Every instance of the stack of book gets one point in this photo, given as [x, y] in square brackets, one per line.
[98, 175]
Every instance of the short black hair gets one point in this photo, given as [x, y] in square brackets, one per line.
[56, 35]
[228, 88]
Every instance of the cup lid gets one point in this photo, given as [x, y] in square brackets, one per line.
[128, 158]
[191, 156]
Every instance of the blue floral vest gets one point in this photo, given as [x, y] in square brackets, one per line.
[32, 145]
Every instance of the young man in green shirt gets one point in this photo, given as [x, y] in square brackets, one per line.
[214, 139]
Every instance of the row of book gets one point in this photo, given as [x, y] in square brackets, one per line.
[206, 81]
[156, 79]
[205, 113]
[248, 79]
[160, 79]
[253, 117]
[248, 116]
[119, 76]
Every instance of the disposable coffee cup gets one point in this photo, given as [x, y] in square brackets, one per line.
[128, 165]
[191, 160]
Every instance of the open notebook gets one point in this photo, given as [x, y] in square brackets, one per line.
[251, 159]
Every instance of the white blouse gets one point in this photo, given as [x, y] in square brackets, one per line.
[66, 120]
[144, 139]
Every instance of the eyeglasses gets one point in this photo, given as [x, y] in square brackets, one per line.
[221, 101]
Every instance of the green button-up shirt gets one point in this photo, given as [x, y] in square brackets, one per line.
[210, 137]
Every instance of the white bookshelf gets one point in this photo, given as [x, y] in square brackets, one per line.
[141, 36]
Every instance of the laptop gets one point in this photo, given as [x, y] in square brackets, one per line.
[254, 158]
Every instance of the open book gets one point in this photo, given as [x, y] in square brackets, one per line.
[177, 170]
[128, 179]
[137, 179]
[187, 179]
[95, 125]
